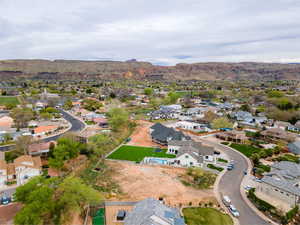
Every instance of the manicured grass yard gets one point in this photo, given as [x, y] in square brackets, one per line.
[137, 154]
[4, 100]
[247, 150]
[205, 216]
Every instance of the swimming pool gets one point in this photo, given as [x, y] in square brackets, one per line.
[158, 161]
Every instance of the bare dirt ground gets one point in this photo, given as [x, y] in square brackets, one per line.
[8, 212]
[141, 135]
[142, 181]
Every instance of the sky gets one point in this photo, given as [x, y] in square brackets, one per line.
[163, 32]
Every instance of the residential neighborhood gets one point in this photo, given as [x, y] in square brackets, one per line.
[149, 112]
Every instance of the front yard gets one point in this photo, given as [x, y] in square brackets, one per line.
[205, 216]
[247, 150]
[137, 153]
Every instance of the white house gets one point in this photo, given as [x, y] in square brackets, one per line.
[192, 126]
[23, 168]
[190, 153]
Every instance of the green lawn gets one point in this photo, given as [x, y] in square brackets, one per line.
[205, 216]
[247, 150]
[4, 100]
[137, 154]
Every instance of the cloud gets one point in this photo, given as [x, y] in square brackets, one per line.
[163, 32]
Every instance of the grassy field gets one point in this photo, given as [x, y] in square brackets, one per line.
[247, 150]
[137, 154]
[205, 216]
[4, 100]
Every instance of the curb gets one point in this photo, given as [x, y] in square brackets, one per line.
[243, 193]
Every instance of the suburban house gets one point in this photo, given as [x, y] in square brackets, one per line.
[278, 134]
[162, 135]
[282, 184]
[282, 125]
[44, 130]
[294, 147]
[192, 126]
[233, 136]
[295, 128]
[154, 212]
[177, 108]
[23, 168]
[246, 119]
[190, 153]
[6, 122]
[40, 149]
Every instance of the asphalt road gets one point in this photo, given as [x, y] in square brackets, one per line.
[77, 125]
[230, 185]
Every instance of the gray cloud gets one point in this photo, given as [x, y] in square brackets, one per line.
[163, 32]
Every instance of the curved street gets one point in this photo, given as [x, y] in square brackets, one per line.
[76, 125]
[230, 184]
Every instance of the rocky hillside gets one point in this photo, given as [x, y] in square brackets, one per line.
[71, 69]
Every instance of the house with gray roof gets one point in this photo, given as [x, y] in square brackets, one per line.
[190, 153]
[282, 184]
[162, 135]
[294, 147]
[153, 212]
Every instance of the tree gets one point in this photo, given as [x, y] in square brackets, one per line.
[148, 91]
[52, 201]
[221, 122]
[22, 144]
[100, 143]
[118, 118]
[66, 149]
[21, 116]
[209, 116]
[246, 108]
[255, 158]
[68, 105]
[172, 98]
[91, 104]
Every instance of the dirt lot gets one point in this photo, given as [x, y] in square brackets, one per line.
[141, 135]
[141, 181]
[8, 212]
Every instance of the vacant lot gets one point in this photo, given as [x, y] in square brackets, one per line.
[141, 135]
[137, 153]
[12, 100]
[205, 216]
[247, 150]
[138, 182]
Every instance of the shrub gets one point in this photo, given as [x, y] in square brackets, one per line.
[211, 166]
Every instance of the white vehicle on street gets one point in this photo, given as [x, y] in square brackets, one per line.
[226, 200]
[234, 211]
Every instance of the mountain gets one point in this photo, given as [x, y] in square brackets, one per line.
[73, 69]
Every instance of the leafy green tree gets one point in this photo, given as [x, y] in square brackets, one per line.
[66, 149]
[275, 94]
[221, 122]
[148, 91]
[118, 118]
[68, 105]
[21, 116]
[172, 98]
[91, 104]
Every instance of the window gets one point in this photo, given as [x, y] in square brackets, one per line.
[186, 156]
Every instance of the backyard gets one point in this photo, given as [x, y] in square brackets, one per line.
[137, 153]
[9, 100]
[205, 216]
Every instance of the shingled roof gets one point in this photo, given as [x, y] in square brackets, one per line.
[164, 134]
[151, 211]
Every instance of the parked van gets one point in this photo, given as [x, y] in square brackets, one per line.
[226, 200]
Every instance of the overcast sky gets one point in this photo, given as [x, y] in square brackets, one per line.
[163, 32]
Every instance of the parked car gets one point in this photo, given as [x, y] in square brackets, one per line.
[248, 188]
[226, 200]
[234, 211]
[230, 167]
[5, 200]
